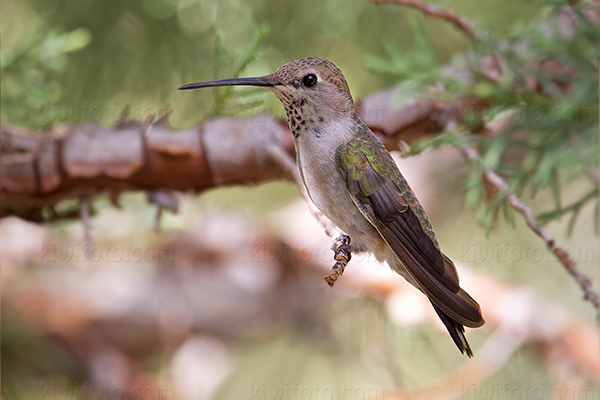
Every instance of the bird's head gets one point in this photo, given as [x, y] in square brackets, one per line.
[312, 90]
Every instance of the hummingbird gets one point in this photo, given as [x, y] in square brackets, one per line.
[354, 181]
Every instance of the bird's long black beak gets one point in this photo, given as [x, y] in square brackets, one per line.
[259, 81]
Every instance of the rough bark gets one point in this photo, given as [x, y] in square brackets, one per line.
[39, 170]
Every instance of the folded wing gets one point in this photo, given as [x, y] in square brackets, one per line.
[382, 195]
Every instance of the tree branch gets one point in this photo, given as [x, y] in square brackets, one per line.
[38, 171]
[437, 12]
[499, 184]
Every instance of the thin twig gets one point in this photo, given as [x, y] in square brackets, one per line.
[497, 182]
[343, 253]
[165, 200]
[437, 12]
[158, 219]
[289, 166]
[341, 245]
[85, 213]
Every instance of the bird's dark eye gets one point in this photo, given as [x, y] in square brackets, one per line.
[309, 80]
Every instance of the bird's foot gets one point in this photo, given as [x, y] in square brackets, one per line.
[342, 254]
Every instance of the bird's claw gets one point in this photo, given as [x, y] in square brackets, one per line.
[340, 241]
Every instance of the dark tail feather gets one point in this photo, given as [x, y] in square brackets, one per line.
[456, 330]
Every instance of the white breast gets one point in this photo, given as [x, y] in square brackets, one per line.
[316, 156]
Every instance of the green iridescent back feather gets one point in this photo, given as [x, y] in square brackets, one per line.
[366, 150]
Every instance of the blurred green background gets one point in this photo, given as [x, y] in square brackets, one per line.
[88, 61]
